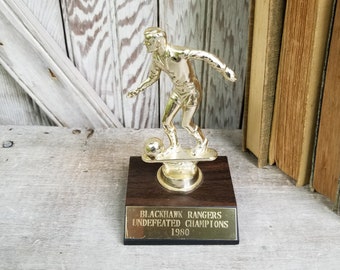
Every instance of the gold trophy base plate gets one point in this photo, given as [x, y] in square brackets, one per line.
[207, 215]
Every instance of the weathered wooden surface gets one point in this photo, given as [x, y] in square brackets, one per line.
[62, 194]
[219, 27]
[185, 25]
[43, 70]
[17, 107]
[222, 107]
[104, 40]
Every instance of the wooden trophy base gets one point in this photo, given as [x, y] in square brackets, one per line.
[207, 215]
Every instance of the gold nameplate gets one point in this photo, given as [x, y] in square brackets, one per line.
[173, 224]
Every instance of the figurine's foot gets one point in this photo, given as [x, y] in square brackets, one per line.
[200, 148]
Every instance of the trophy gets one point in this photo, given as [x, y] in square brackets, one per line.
[171, 199]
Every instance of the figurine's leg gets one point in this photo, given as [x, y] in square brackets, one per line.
[194, 130]
[171, 110]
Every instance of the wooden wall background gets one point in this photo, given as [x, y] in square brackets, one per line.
[103, 38]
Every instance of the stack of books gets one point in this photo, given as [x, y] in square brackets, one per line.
[292, 107]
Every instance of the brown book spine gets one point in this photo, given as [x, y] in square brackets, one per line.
[300, 70]
[264, 56]
[327, 161]
[247, 82]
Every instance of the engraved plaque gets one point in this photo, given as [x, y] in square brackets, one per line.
[182, 223]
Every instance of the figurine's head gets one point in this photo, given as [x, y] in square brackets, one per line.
[155, 38]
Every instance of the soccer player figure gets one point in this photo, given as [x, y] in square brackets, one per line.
[186, 93]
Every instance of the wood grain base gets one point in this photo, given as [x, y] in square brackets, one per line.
[207, 215]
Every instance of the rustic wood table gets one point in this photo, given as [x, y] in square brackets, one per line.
[62, 194]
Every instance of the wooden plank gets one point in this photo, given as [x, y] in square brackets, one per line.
[70, 100]
[185, 24]
[49, 15]
[16, 106]
[131, 20]
[227, 37]
[105, 42]
[62, 195]
[219, 27]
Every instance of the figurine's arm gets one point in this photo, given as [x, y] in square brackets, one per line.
[213, 61]
[153, 76]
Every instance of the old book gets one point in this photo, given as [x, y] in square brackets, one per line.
[302, 56]
[266, 43]
[327, 158]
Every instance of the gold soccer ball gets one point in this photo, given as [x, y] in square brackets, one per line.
[153, 147]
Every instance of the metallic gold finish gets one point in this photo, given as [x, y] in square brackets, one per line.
[176, 223]
[179, 172]
[181, 178]
[186, 95]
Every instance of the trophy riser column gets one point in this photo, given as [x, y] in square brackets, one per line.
[180, 177]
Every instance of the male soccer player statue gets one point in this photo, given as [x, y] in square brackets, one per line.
[186, 93]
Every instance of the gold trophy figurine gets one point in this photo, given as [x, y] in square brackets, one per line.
[153, 214]
[179, 172]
